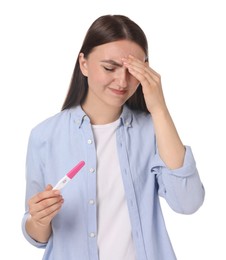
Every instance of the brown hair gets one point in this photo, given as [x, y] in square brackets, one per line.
[105, 29]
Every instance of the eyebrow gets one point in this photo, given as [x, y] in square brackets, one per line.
[112, 62]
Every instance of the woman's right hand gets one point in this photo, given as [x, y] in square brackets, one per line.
[43, 207]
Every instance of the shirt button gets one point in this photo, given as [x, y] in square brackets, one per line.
[92, 234]
[91, 202]
[89, 141]
[91, 170]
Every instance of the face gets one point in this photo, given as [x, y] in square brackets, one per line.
[110, 83]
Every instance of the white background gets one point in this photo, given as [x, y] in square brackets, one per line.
[39, 43]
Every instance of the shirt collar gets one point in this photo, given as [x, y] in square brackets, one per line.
[126, 117]
[79, 116]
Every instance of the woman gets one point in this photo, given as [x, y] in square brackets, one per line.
[115, 119]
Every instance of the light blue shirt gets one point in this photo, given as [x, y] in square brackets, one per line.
[60, 142]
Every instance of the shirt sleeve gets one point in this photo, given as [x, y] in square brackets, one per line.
[34, 179]
[182, 187]
[26, 235]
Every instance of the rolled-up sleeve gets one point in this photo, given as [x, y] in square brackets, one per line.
[182, 187]
[26, 235]
[33, 181]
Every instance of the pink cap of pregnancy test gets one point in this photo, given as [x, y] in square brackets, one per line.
[75, 170]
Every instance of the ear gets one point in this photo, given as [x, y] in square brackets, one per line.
[83, 64]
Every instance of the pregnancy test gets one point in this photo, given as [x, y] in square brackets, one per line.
[69, 176]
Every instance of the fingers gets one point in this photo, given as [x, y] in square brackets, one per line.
[49, 187]
[48, 193]
[45, 205]
[140, 70]
[150, 81]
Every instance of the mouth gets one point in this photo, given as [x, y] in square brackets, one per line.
[118, 92]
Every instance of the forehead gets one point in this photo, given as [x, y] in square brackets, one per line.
[117, 50]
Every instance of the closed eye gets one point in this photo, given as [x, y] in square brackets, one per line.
[110, 65]
[109, 69]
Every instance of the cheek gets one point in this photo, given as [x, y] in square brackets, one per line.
[96, 76]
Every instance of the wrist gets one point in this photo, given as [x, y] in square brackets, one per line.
[38, 231]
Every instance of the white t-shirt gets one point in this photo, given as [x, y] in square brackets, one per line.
[114, 236]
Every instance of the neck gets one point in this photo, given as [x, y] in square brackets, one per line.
[101, 115]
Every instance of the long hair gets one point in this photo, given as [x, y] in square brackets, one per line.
[106, 29]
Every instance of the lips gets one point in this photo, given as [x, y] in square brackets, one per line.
[118, 92]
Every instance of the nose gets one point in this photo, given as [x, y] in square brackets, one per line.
[122, 78]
